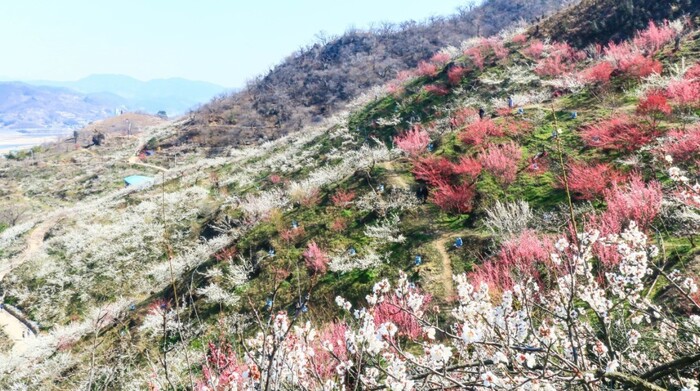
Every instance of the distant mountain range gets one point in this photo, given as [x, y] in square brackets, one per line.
[44, 104]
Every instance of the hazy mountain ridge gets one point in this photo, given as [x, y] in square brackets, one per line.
[68, 105]
[173, 95]
[23, 106]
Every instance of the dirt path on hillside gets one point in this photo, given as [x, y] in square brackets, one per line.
[394, 179]
[16, 331]
[446, 275]
[34, 242]
[135, 161]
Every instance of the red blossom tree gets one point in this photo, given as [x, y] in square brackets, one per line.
[554, 65]
[463, 116]
[654, 37]
[292, 235]
[619, 133]
[342, 198]
[519, 258]
[684, 93]
[599, 73]
[414, 142]
[440, 58]
[477, 132]
[455, 74]
[275, 179]
[467, 166]
[325, 361]
[693, 73]
[635, 201]
[502, 161]
[339, 224]
[427, 69]
[393, 309]
[453, 198]
[683, 145]
[638, 66]
[654, 103]
[436, 89]
[535, 49]
[655, 107]
[222, 370]
[433, 170]
[589, 181]
[316, 259]
[475, 54]
[519, 39]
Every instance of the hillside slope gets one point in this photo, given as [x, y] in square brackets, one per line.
[596, 21]
[318, 80]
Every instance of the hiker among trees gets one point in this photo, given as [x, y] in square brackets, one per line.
[511, 104]
[482, 113]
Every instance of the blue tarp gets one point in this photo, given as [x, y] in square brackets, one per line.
[135, 180]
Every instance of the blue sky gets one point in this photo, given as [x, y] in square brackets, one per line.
[220, 41]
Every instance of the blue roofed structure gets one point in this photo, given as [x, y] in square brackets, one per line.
[137, 180]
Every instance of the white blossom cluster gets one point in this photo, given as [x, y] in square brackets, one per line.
[576, 333]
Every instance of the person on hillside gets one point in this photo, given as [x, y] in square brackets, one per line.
[482, 113]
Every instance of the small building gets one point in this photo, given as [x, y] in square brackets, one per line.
[138, 180]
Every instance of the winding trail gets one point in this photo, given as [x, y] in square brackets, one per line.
[12, 326]
[34, 242]
[135, 161]
[393, 178]
[446, 275]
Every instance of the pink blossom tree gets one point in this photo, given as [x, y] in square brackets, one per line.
[589, 181]
[618, 133]
[414, 142]
[316, 259]
[502, 161]
[453, 198]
